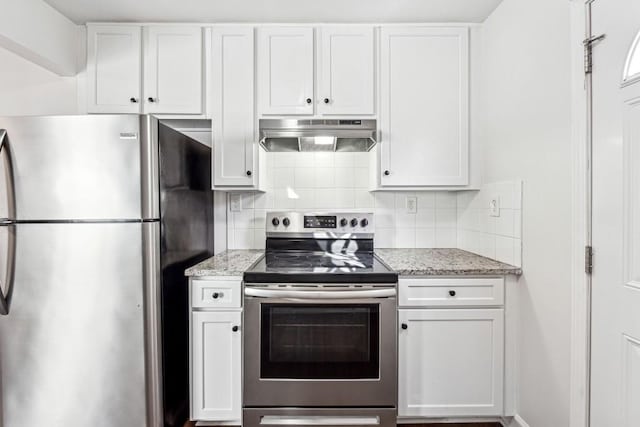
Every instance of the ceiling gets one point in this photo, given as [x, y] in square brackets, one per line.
[82, 11]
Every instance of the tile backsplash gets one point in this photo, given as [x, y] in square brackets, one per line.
[497, 237]
[340, 181]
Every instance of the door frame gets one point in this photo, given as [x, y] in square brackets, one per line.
[580, 347]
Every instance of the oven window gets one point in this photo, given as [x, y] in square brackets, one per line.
[305, 341]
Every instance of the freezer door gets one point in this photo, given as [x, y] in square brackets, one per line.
[77, 167]
[72, 346]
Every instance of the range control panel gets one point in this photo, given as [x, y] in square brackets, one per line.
[313, 222]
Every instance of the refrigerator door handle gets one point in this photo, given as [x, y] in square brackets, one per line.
[5, 294]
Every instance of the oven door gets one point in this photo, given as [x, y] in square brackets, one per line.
[307, 347]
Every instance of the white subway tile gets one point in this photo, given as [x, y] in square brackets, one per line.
[384, 238]
[324, 159]
[304, 177]
[517, 252]
[324, 198]
[385, 200]
[406, 237]
[324, 177]
[283, 178]
[284, 199]
[305, 160]
[284, 160]
[345, 198]
[342, 160]
[504, 224]
[244, 238]
[260, 218]
[425, 238]
[259, 238]
[505, 249]
[405, 220]
[362, 160]
[446, 199]
[306, 198]
[361, 177]
[446, 237]
[446, 218]
[426, 200]
[244, 218]
[247, 200]
[364, 199]
[426, 218]
[385, 218]
[344, 177]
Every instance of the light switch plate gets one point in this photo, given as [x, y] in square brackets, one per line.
[494, 206]
[412, 204]
[235, 202]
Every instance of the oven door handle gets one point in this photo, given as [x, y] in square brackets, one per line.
[315, 295]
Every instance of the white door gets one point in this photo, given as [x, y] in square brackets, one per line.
[615, 376]
[424, 116]
[346, 71]
[114, 61]
[450, 362]
[173, 70]
[216, 389]
[285, 67]
[234, 142]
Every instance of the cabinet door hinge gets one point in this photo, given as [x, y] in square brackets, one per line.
[588, 259]
[588, 52]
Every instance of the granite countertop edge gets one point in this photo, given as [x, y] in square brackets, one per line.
[405, 262]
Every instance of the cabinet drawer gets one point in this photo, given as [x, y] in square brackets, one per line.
[216, 294]
[439, 292]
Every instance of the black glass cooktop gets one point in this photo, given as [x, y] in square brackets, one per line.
[339, 262]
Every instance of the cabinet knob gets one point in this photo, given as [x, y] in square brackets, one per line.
[248, 173]
[387, 173]
[235, 328]
[215, 295]
[452, 293]
[308, 100]
[326, 100]
[133, 100]
[404, 326]
[150, 99]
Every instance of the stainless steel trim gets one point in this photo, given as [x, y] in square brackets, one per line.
[322, 295]
[11, 183]
[321, 235]
[153, 344]
[316, 420]
[9, 276]
[150, 203]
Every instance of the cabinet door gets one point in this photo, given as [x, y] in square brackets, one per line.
[233, 107]
[424, 117]
[450, 362]
[114, 59]
[346, 71]
[173, 70]
[216, 360]
[285, 64]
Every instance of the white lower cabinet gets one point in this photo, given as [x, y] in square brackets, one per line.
[216, 365]
[450, 362]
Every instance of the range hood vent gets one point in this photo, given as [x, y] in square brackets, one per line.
[317, 135]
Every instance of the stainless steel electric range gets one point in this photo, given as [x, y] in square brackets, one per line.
[320, 325]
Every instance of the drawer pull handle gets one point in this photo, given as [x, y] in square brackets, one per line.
[452, 293]
[235, 328]
[404, 326]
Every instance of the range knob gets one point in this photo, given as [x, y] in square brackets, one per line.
[275, 222]
[344, 222]
[364, 222]
[286, 222]
[354, 222]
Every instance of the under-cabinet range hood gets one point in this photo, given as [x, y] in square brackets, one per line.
[317, 134]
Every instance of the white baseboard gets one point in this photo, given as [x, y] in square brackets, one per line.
[517, 421]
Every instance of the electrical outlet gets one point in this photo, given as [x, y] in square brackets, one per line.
[412, 204]
[494, 206]
[235, 202]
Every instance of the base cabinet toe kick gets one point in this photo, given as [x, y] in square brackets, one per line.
[326, 417]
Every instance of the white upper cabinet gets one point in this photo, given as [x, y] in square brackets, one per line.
[346, 66]
[173, 69]
[234, 142]
[285, 67]
[424, 117]
[113, 68]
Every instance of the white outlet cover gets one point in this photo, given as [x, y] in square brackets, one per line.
[494, 206]
[235, 202]
[412, 204]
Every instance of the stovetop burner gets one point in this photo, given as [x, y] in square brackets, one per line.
[319, 248]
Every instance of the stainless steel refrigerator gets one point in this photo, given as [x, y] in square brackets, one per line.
[99, 217]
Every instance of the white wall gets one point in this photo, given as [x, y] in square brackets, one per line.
[28, 89]
[526, 83]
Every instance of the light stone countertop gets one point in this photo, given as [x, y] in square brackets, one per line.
[443, 262]
[227, 263]
[406, 262]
